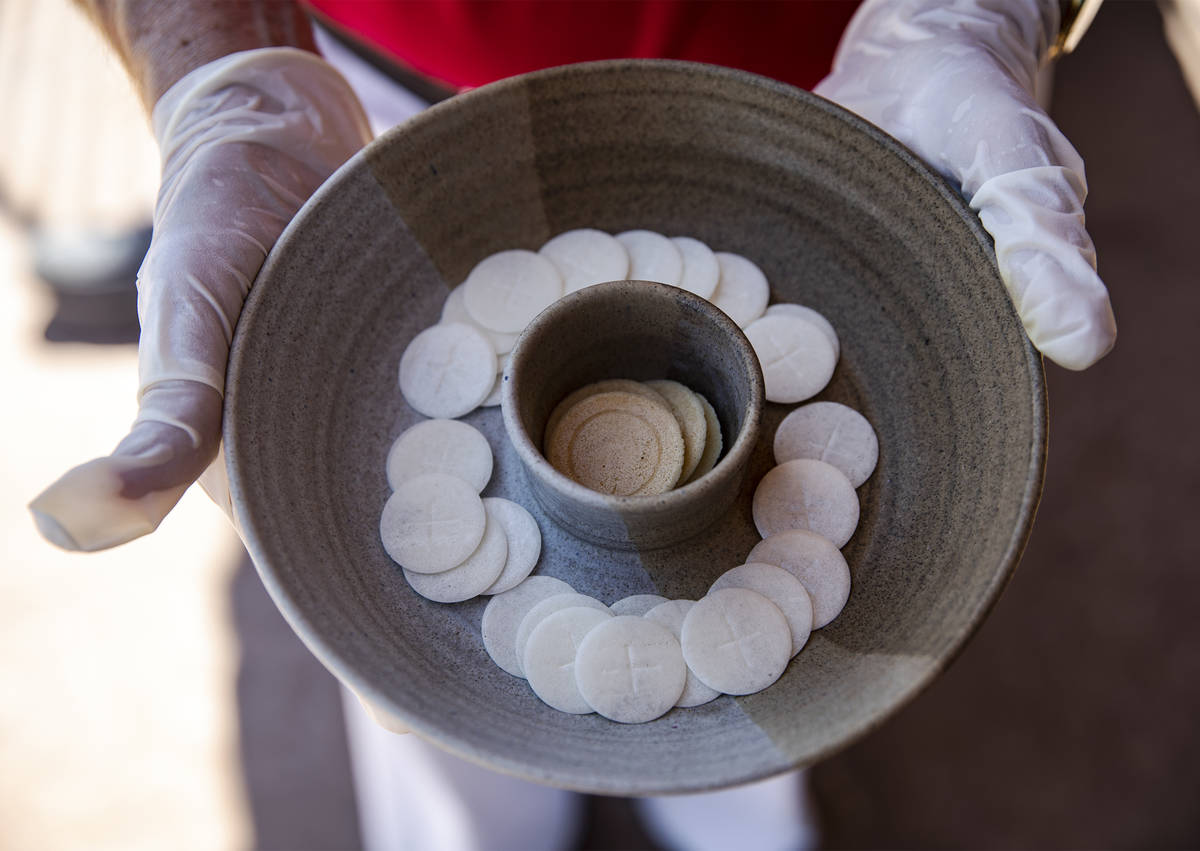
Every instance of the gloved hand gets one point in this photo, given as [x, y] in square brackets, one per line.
[244, 140]
[954, 81]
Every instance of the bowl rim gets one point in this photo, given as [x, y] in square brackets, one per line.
[738, 451]
[342, 667]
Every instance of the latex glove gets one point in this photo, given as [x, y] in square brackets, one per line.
[244, 140]
[954, 81]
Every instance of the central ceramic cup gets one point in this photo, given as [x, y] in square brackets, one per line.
[642, 331]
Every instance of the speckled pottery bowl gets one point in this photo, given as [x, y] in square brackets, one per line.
[839, 216]
[643, 331]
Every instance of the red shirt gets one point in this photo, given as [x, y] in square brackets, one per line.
[471, 42]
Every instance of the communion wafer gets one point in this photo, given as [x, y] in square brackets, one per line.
[586, 256]
[619, 444]
[829, 432]
[506, 290]
[549, 660]
[701, 271]
[447, 370]
[781, 588]
[742, 292]
[692, 423]
[671, 614]
[454, 309]
[630, 669]
[797, 359]
[814, 316]
[503, 615]
[546, 607]
[493, 398]
[713, 442]
[806, 494]
[470, 578]
[440, 446]
[736, 641]
[816, 562]
[432, 523]
[606, 385]
[652, 257]
[524, 542]
[636, 604]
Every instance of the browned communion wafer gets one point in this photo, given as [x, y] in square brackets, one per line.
[608, 385]
[618, 443]
[688, 410]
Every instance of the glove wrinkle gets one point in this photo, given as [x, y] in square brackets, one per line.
[954, 81]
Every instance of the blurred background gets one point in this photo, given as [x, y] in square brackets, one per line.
[152, 696]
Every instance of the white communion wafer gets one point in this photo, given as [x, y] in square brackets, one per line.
[806, 494]
[813, 316]
[742, 292]
[447, 370]
[618, 443]
[524, 542]
[701, 271]
[636, 604]
[432, 523]
[816, 562]
[549, 606]
[686, 407]
[607, 385]
[455, 310]
[736, 641]
[469, 579]
[493, 398]
[713, 442]
[440, 446]
[797, 360]
[506, 290]
[503, 615]
[586, 256]
[652, 257]
[781, 588]
[630, 669]
[671, 614]
[549, 660]
[829, 432]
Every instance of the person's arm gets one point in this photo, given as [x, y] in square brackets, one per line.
[160, 41]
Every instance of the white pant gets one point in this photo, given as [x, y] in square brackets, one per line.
[412, 795]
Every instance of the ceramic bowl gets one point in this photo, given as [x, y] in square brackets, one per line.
[643, 331]
[838, 215]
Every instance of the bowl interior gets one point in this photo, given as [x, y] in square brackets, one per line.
[839, 217]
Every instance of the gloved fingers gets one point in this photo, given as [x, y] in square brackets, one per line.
[112, 500]
[215, 482]
[1048, 262]
[954, 82]
[245, 141]
[209, 242]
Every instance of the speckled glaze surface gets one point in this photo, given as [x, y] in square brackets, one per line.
[644, 331]
[839, 217]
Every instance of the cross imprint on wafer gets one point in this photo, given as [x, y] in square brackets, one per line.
[828, 450]
[570, 663]
[736, 640]
[428, 526]
[631, 667]
[442, 367]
